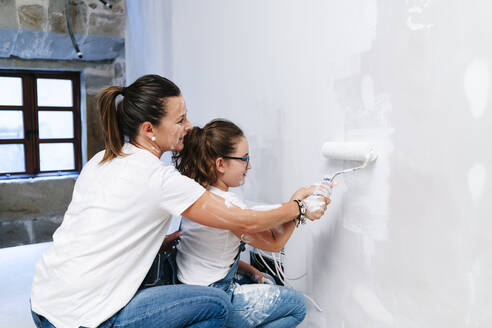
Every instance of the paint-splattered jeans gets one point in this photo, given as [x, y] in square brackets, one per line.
[261, 305]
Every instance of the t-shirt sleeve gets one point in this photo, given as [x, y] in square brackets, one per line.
[178, 192]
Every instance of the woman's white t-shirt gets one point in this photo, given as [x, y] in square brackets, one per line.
[205, 254]
[112, 230]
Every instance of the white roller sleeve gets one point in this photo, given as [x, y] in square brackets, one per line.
[349, 151]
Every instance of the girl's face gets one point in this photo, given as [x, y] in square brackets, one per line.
[232, 172]
[174, 126]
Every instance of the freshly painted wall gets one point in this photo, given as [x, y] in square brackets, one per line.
[406, 242]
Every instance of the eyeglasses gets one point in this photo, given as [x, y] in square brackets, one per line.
[244, 159]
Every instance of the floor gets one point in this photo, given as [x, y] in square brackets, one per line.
[16, 272]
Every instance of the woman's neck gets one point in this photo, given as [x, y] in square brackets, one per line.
[143, 143]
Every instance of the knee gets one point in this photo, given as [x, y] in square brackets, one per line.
[299, 311]
[222, 300]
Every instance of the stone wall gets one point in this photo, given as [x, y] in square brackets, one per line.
[33, 35]
[38, 29]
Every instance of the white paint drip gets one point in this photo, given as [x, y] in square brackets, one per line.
[266, 207]
[372, 306]
[176, 136]
[477, 86]
[477, 177]
[415, 14]
[228, 203]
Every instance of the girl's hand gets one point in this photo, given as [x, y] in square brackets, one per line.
[260, 278]
[169, 241]
[317, 202]
[316, 197]
[316, 206]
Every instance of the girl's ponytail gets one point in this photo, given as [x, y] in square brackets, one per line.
[192, 160]
[203, 146]
[113, 137]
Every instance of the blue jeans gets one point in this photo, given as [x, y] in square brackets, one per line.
[168, 306]
[261, 305]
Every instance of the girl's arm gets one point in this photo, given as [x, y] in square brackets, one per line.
[253, 273]
[211, 210]
[271, 240]
[274, 239]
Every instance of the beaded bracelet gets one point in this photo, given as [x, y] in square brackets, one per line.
[302, 212]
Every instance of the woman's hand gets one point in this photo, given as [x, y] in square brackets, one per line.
[303, 192]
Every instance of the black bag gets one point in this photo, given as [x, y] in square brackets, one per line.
[163, 270]
[256, 262]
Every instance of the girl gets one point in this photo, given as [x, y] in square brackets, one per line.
[117, 220]
[217, 157]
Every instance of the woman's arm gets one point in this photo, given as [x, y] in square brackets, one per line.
[211, 210]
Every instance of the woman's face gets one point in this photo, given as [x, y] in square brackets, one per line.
[174, 126]
[235, 169]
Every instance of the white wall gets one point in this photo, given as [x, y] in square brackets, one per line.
[406, 242]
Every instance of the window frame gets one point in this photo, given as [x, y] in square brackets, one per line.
[30, 109]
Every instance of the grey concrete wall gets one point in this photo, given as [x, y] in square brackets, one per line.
[33, 36]
[405, 242]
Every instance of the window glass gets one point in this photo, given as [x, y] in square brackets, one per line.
[56, 156]
[55, 124]
[54, 92]
[11, 124]
[10, 91]
[12, 156]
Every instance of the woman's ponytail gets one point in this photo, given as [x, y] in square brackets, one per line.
[113, 137]
[143, 101]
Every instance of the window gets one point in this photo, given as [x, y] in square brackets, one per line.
[39, 123]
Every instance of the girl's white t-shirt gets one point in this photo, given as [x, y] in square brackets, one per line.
[205, 254]
[112, 230]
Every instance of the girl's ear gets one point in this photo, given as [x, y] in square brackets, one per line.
[220, 165]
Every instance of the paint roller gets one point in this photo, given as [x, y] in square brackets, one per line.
[349, 151]
[345, 151]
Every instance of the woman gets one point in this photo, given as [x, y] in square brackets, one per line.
[217, 157]
[118, 217]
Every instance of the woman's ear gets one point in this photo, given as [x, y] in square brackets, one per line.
[220, 165]
[146, 129]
